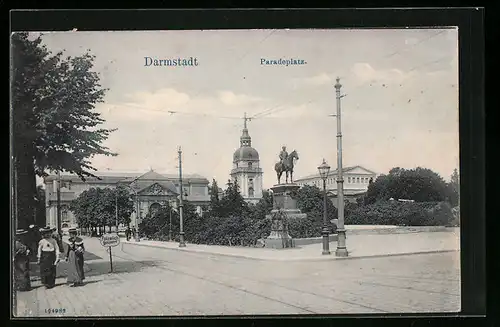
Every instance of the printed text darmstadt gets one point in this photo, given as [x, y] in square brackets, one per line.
[173, 62]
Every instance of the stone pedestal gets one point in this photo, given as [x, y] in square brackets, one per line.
[284, 207]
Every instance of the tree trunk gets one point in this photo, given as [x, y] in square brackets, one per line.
[25, 189]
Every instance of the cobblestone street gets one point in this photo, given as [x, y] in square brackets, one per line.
[163, 282]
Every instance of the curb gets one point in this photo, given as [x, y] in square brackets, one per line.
[298, 259]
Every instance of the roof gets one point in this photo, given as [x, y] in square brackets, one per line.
[112, 176]
[334, 172]
[141, 185]
[246, 153]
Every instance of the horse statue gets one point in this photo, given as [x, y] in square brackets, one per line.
[286, 166]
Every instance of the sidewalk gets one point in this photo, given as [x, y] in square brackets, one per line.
[358, 245]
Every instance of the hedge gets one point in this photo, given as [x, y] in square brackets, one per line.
[311, 226]
[401, 214]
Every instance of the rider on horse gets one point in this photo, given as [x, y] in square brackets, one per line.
[283, 155]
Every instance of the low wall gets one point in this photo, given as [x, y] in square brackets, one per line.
[360, 230]
[312, 240]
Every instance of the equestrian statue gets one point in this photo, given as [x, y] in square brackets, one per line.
[286, 164]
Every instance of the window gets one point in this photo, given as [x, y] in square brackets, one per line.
[64, 214]
[249, 165]
[357, 179]
[250, 192]
[348, 179]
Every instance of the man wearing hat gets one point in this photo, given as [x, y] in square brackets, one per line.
[48, 257]
[21, 263]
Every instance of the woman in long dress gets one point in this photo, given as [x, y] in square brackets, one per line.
[48, 257]
[22, 264]
[74, 257]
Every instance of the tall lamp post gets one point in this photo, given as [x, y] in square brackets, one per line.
[341, 245]
[170, 223]
[58, 194]
[181, 189]
[324, 169]
[116, 209]
[137, 213]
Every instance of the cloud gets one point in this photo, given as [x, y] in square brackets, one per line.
[316, 80]
[364, 72]
[172, 103]
[160, 99]
[231, 99]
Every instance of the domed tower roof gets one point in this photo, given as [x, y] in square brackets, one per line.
[245, 152]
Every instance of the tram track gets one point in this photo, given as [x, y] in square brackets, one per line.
[269, 283]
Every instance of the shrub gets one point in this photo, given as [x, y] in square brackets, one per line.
[455, 222]
[401, 214]
[311, 226]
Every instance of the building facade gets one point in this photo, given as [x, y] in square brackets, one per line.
[356, 181]
[246, 171]
[149, 190]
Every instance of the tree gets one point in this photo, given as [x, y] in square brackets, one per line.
[214, 196]
[419, 184]
[454, 189]
[40, 213]
[54, 125]
[232, 203]
[264, 206]
[310, 200]
[96, 207]
[155, 225]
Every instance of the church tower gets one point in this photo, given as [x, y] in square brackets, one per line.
[246, 170]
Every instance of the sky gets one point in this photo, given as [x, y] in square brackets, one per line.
[400, 107]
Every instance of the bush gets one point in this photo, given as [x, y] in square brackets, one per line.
[401, 214]
[455, 222]
[311, 226]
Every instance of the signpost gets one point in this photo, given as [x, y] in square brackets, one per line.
[110, 240]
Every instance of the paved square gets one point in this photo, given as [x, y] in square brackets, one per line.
[162, 282]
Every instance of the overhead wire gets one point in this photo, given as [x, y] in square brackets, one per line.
[275, 109]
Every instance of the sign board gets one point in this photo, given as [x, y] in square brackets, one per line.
[110, 240]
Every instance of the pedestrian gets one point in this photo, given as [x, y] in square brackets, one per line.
[22, 263]
[48, 257]
[127, 233]
[74, 257]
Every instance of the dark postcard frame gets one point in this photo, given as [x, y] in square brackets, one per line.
[470, 22]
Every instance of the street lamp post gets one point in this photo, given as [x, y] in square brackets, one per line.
[341, 244]
[58, 194]
[137, 213]
[116, 209]
[170, 223]
[324, 169]
[181, 189]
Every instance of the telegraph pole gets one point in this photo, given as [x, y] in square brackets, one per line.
[116, 209]
[341, 244]
[58, 191]
[137, 215]
[181, 231]
[170, 223]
